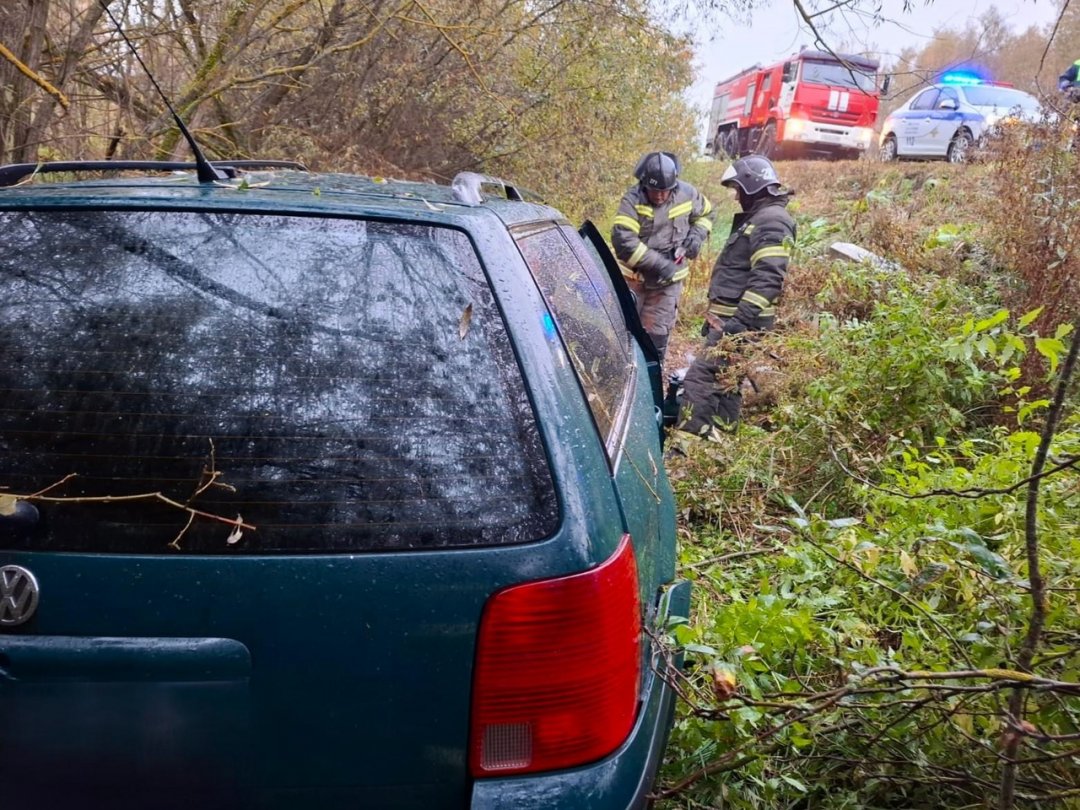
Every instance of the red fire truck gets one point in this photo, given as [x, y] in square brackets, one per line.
[814, 102]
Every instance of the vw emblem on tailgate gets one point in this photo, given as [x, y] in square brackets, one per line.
[18, 595]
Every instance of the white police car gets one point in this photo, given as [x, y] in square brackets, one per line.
[943, 121]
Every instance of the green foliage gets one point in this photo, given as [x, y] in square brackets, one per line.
[859, 548]
[932, 583]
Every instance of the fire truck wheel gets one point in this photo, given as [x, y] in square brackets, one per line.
[959, 147]
[731, 143]
[767, 143]
[888, 149]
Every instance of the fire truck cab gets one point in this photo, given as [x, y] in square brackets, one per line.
[814, 102]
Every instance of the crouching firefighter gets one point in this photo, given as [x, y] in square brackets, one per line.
[661, 224]
[746, 281]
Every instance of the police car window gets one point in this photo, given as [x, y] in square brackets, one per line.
[597, 348]
[340, 385]
[947, 93]
[925, 100]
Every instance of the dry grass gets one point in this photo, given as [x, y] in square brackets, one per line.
[887, 208]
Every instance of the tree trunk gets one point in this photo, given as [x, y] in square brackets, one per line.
[27, 97]
[71, 54]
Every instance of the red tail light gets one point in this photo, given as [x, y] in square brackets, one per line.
[558, 670]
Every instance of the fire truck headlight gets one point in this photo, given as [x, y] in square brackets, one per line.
[794, 128]
[864, 135]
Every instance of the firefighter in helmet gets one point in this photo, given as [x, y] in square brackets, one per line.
[660, 226]
[746, 281]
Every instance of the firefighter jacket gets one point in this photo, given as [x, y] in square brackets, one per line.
[749, 274]
[645, 237]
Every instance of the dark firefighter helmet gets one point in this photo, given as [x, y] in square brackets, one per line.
[752, 174]
[658, 171]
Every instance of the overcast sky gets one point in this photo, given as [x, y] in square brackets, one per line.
[776, 31]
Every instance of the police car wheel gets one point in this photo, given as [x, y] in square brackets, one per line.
[888, 149]
[959, 147]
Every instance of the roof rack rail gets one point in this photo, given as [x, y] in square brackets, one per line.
[12, 174]
[467, 189]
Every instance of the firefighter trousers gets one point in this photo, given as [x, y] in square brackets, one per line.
[708, 399]
[657, 309]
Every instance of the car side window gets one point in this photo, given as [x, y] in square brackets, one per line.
[594, 269]
[598, 348]
[925, 100]
[947, 93]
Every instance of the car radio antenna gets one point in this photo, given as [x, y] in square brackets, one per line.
[207, 173]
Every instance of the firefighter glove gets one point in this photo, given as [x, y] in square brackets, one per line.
[670, 273]
[692, 243]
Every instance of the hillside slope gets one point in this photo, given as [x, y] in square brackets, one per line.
[876, 579]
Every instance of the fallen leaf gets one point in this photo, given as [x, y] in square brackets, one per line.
[466, 319]
[8, 504]
[724, 683]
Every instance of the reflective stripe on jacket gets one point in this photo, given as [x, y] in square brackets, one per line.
[749, 273]
[645, 236]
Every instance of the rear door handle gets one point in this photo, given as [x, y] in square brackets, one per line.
[78, 658]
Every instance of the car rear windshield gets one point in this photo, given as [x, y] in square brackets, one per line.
[332, 384]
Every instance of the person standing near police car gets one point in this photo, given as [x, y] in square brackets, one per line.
[1069, 81]
[746, 282]
[661, 224]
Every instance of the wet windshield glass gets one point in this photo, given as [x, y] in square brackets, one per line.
[338, 384]
[836, 75]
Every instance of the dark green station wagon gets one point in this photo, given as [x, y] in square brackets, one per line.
[321, 491]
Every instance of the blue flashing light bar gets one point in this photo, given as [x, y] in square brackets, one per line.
[960, 77]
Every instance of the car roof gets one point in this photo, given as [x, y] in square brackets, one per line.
[284, 189]
[963, 87]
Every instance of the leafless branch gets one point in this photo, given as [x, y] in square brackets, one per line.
[35, 77]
